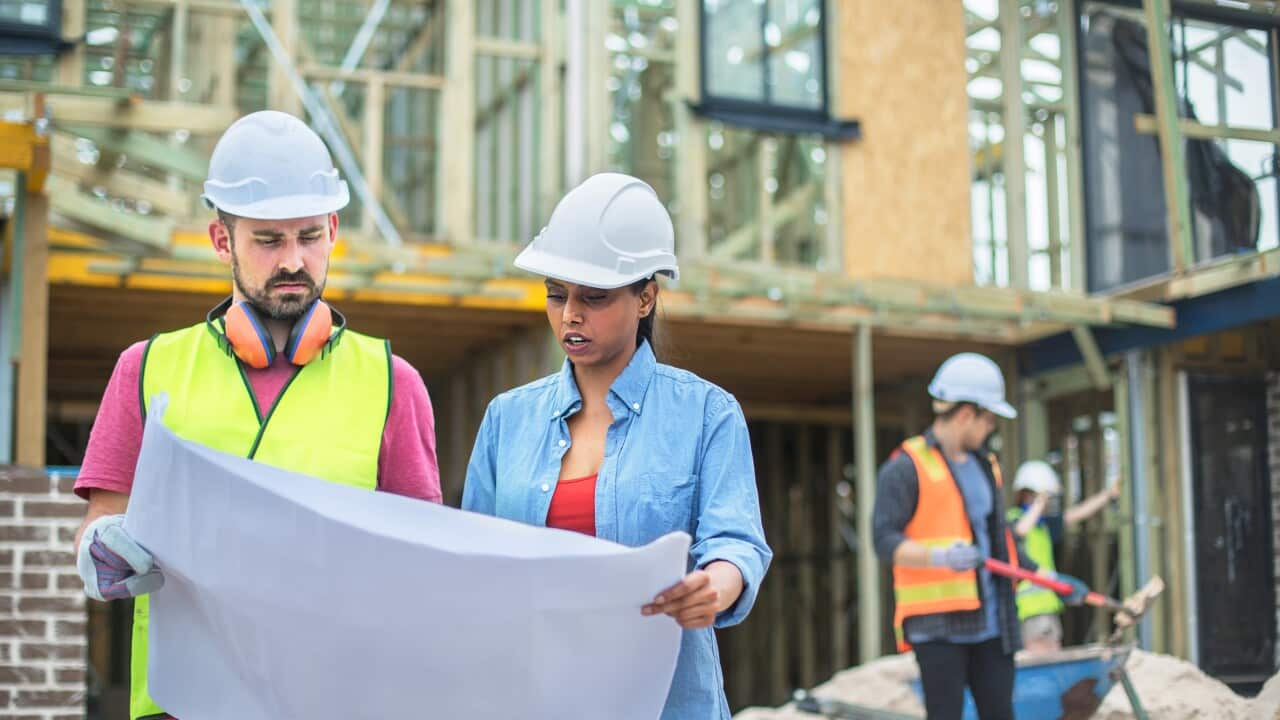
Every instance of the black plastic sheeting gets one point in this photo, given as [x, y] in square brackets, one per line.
[1127, 230]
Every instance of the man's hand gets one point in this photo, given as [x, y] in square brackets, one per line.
[112, 565]
[693, 601]
[1078, 589]
[958, 557]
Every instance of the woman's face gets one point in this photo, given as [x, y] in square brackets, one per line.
[597, 327]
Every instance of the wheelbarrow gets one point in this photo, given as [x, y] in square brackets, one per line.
[1069, 684]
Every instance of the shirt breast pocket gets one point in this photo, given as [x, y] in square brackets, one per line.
[668, 503]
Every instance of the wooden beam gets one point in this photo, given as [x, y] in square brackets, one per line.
[1172, 151]
[280, 92]
[549, 99]
[71, 63]
[864, 413]
[1015, 130]
[1148, 124]
[33, 346]
[458, 123]
[691, 161]
[504, 48]
[315, 71]
[8, 85]
[838, 567]
[71, 203]
[119, 183]
[1093, 362]
[146, 149]
[375, 102]
[152, 115]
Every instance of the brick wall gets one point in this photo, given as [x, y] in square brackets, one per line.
[1273, 448]
[43, 633]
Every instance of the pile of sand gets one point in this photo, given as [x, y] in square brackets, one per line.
[881, 684]
[1169, 688]
[1174, 689]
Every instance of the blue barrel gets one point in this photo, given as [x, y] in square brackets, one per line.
[1066, 684]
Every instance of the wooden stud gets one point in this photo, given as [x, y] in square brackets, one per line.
[550, 177]
[374, 122]
[837, 571]
[33, 344]
[804, 595]
[150, 115]
[1053, 201]
[767, 185]
[869, 621]
[1172, 152]
[1067, 22]
[71, 63]
[1094, 364]
[280, 92]
[691, 161]
[598, 111]
[778, 587]
[1149, 124]
[1015, 130]
[420, 81]
[458, 123]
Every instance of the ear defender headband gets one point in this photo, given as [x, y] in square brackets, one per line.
[243, 334]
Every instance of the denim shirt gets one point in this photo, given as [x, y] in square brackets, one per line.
[677, 457]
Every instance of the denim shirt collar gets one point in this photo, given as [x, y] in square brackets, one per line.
[629, 387]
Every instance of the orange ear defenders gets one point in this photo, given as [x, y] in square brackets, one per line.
[244, 335]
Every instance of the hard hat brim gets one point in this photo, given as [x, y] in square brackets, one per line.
[285, 208]
[577, 272]
[1003, 409]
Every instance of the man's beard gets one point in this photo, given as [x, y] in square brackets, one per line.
[286, 308]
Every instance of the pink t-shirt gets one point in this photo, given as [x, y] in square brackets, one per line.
[406, 460]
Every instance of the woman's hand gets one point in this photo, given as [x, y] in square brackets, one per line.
[695, 601]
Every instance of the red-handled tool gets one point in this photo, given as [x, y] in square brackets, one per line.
[1004, 569]
[1128, 611]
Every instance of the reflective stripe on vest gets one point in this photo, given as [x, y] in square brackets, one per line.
[327, 422]
[1033, 599]
[943, 522]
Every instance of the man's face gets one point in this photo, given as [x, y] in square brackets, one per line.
[278, 266]
[979, 426]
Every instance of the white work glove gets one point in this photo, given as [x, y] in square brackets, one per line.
[112, 565]
[958, 557]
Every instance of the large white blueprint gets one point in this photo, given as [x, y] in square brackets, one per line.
[289, 597]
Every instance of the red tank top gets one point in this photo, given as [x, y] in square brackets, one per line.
[573, 506]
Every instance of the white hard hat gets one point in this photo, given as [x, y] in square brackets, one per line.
[270, 166]
[1037, 476]
[608, 232]
[974, 378]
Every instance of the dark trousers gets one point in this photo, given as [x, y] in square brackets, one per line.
[946, 668]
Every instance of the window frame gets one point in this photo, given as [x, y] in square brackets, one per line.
[766, 115]
[1178, 10]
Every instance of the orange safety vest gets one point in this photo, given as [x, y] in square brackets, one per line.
[940, 520]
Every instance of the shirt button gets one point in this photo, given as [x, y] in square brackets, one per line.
[635, 406]
[546, 487]
[563, 443]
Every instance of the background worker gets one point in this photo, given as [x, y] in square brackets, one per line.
[622, 447]
[937, 517]
[272, 373]
[1038, 488]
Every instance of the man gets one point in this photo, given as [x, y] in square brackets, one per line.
[937, 517]
[1037, 485]
[272, 373]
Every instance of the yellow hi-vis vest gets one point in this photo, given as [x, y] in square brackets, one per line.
[1032, 599]
[940, 520]
[327, 423]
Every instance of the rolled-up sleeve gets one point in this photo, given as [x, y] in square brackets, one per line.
[897, 492]
[728, 525]
[479, 492]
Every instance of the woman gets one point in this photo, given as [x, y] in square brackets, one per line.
[619, 446]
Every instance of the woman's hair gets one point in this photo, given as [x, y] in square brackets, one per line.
[646, 330]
